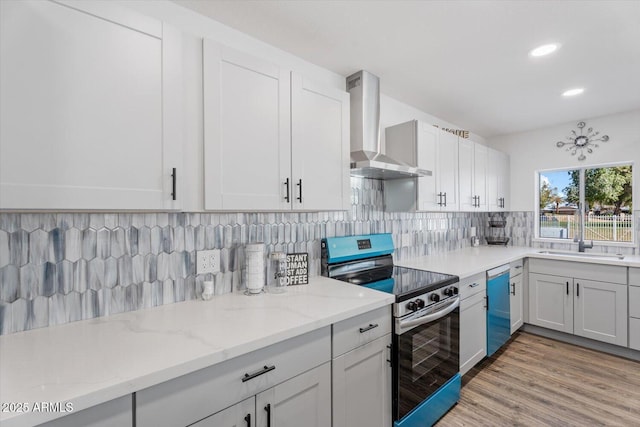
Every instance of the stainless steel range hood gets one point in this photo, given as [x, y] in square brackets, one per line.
[366, 158]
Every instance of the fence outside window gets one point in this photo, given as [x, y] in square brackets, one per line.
[610, 228]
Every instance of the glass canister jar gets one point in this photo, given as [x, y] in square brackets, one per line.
[277, 272]
[254, 254]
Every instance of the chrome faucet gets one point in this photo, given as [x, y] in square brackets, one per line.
[582, 245]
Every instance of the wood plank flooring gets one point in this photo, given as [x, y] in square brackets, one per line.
[536, 381]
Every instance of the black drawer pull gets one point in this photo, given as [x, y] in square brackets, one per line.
[368, 328]
[473, 285]
[262, 371]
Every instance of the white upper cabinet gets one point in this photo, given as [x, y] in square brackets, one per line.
[247, 156]
[429, 148]
[473, 164]
[271, 142]
[319, 146]
[90, 102]
[498, 180]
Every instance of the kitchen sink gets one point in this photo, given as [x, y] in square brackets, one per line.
[582, 254]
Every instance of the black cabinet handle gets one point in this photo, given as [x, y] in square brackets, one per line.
[174, 178]
[474, 284]
[262, 371]
[368, 328]
[440, 199]
[513, 288]
[299, 184]
[268, 409]
[487, 299]
[567, 287]
[577, 289]
[248, 420]
[286, 195]
[445, 199]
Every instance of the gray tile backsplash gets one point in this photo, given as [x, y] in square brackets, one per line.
[62, 267]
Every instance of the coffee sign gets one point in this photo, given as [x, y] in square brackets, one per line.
[297, 269]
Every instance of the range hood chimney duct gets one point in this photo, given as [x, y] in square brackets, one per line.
[367, 159]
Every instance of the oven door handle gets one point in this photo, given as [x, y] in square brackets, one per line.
[404, 326]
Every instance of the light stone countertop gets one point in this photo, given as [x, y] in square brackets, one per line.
[469, 261]
[93, 361]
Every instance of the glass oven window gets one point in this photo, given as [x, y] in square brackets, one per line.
[428, 356]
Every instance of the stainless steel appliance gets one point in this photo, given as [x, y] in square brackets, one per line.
[426, 317]
[367, 160]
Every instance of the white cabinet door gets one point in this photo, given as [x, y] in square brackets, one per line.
[551, 302]
[362, 386]
[504, 181]
[247, 136]
[114, 413]
[466, 176]
[242, 414]
[601, 311]
[320, 146]
[497, 180]
[473, 331]
[427, 158]
[516, 302]
[480, 167]
[90, 106]
[447, 171]
[304, 400]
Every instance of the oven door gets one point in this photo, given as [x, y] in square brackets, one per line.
[426, 355]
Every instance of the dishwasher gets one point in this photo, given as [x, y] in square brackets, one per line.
[498, 311]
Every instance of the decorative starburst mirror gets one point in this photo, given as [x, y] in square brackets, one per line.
[583, 141]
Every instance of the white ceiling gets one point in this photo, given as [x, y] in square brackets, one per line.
[464, 61]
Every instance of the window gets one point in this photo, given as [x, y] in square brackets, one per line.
[608, 205]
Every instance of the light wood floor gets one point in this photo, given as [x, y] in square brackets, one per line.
[536, 381]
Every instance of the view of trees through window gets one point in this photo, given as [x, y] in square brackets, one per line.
[608, 211]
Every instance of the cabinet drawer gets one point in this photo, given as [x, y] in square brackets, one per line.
[634, 276]
[359, 330]
[516, 267]
[472, 285]
[194, 396]
[580, 270]
[634, 301]
[634, 333]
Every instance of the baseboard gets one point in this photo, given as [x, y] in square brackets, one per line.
[583, 342]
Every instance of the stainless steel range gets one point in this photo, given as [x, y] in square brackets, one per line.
[426, 319]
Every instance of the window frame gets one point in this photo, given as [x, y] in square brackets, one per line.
[536, 236]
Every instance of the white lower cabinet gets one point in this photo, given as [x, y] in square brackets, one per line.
[361, 370]
[282, 371]
[114, 413]
[473, 321]
[362, 386]
[241, 414]
[516, 298]
[304, 400]
[595, 309]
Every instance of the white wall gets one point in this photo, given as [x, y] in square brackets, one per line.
[536, 150]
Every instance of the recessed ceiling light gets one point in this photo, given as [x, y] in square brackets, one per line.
[573, 92]
[545, 49]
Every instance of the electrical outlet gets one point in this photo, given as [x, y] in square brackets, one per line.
[208, 261]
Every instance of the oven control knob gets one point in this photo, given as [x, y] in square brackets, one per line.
[434, 297]
[455, 291]
[449, 292]
[420, 303]
[411, 305]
